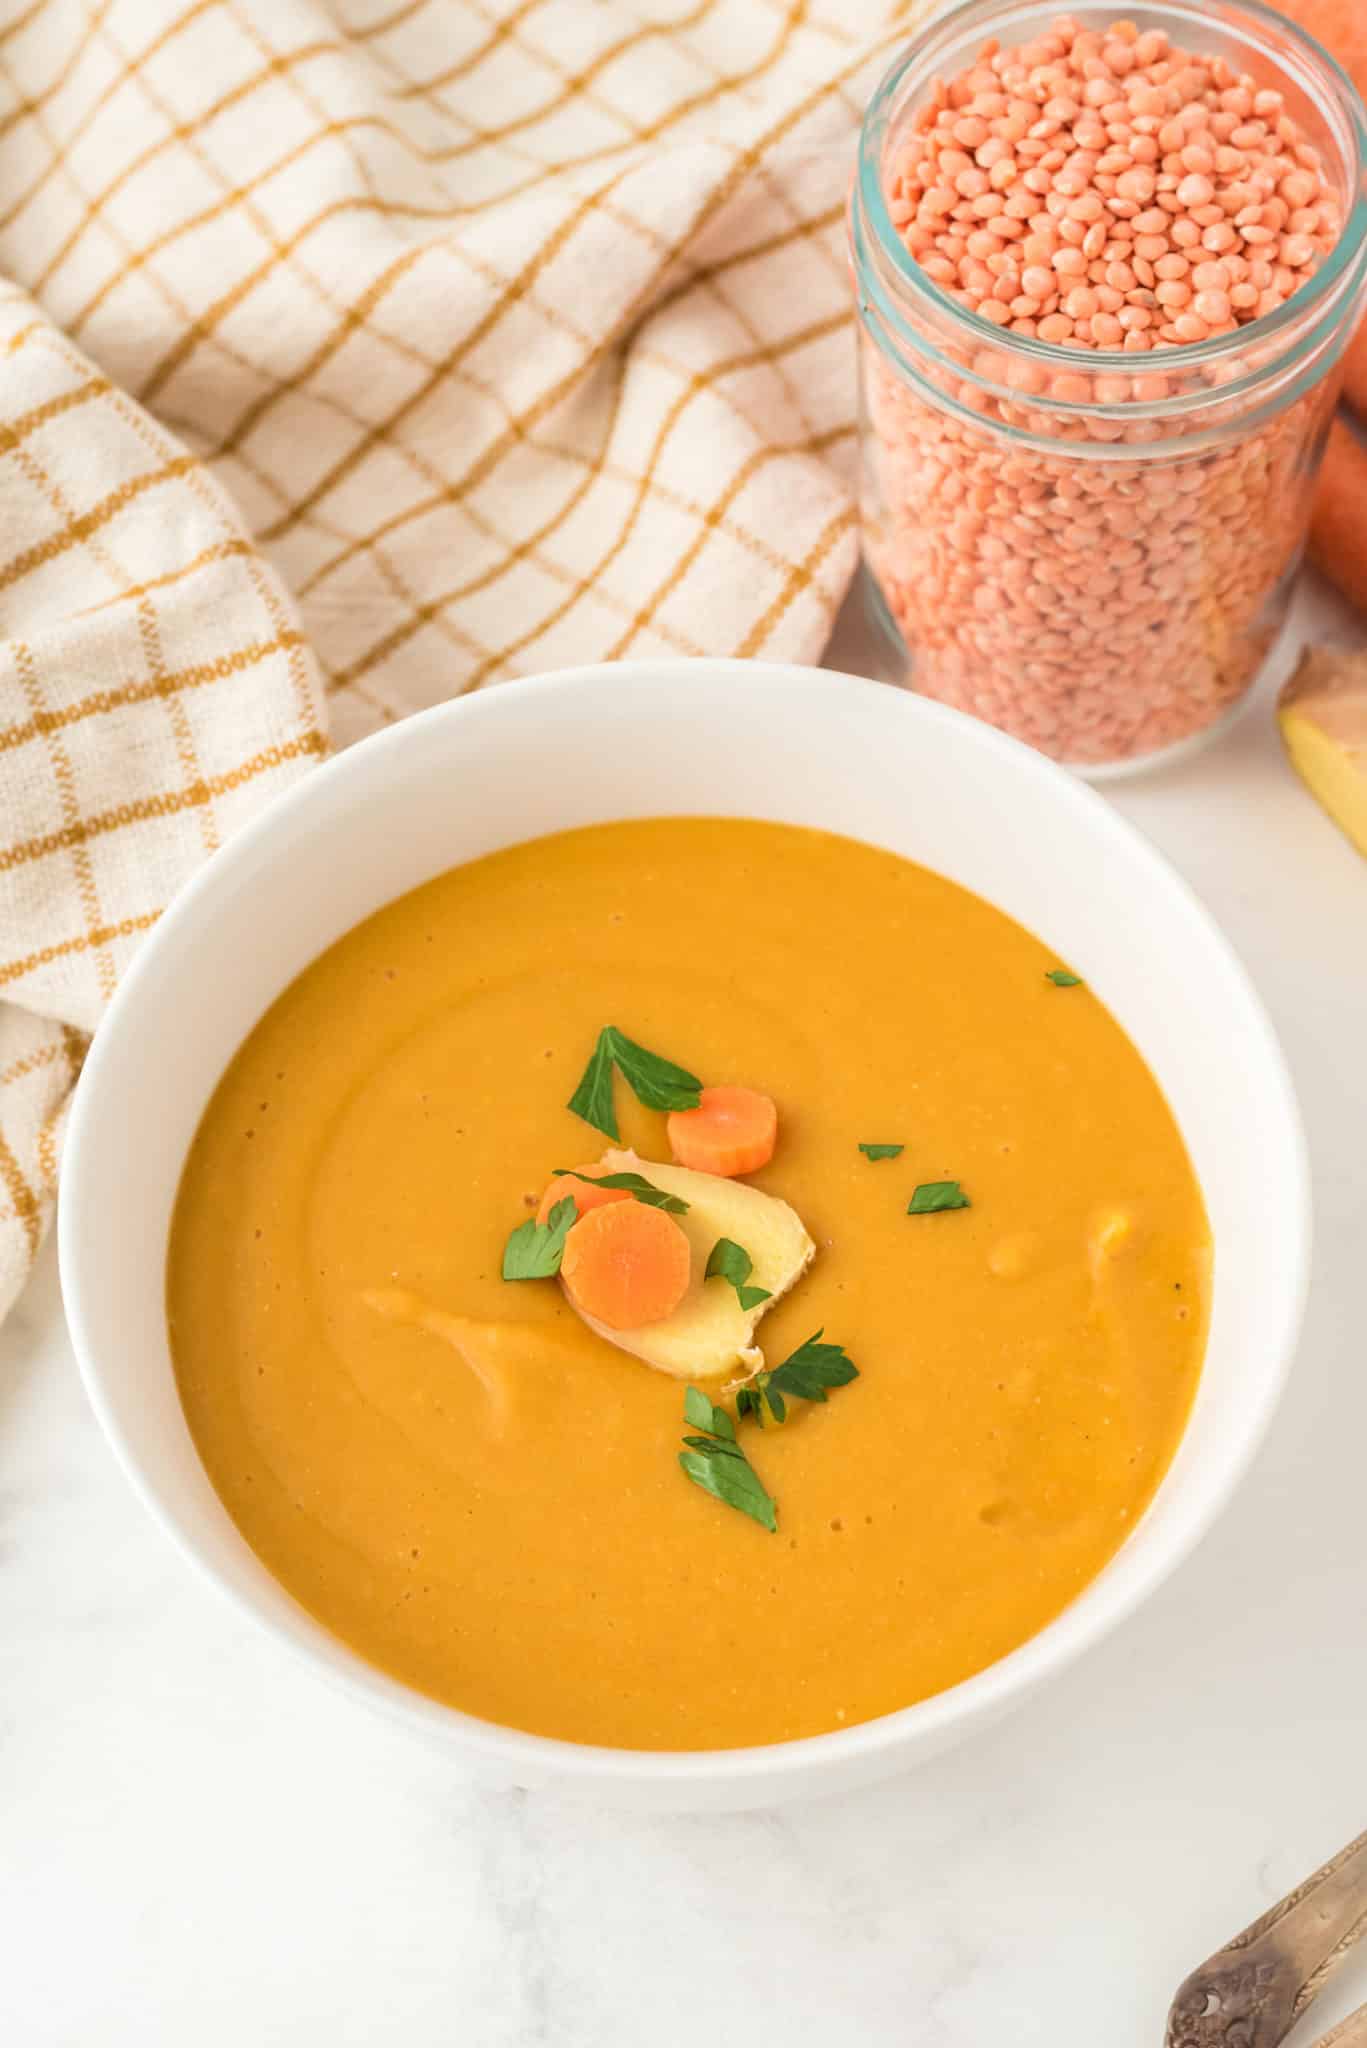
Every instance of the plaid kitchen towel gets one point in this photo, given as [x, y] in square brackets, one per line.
[356, 355]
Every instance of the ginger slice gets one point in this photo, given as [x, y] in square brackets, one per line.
[1323, 720]
[709, 1334]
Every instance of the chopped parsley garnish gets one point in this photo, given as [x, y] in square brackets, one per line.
[714, 1461]
[658, 1083]
[534, 1250]
[731, 1262]
[804, 1375]
[1061, 978]
[635, 1185]
[882, 1151]
[934, 1195]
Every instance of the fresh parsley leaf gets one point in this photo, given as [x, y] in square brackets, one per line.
[534, 1250]
[934, 1195]
[882, 1151]
[717, 1464]
[705, 1414]
[732, 1479]
[656, 1082]
[730, 1261]
[634, 1184]
[778, 1407]
[804, 1375]
[808, 1371]
[592, 1099]
[1061, 978]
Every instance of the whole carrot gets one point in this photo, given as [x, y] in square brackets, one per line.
[1355, 373]
[1341, 25]
[1338, 525]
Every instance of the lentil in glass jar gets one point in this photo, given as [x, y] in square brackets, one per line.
[1106, 270]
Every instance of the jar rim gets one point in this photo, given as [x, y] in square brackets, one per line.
[1315, 70]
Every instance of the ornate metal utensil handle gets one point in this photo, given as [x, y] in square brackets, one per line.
[1252, 1991]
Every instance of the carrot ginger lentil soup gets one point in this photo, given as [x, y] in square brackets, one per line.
[853, 1357]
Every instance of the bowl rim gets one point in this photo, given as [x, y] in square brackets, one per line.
[519, 1754]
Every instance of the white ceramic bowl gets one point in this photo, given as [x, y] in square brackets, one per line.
[638, 740]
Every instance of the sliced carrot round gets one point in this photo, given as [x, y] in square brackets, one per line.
[580, 1184]
[731, 1131]
[625, 1265]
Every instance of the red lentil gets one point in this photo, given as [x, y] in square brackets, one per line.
[1139, 196]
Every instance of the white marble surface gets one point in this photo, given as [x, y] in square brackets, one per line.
[201, 1848]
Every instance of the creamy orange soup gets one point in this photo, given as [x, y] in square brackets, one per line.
[483, 1497]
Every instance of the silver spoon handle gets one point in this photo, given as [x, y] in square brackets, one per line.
[1250, 1993]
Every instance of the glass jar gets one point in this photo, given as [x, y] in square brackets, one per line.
[1095, 550]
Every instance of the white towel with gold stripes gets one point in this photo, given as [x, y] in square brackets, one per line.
[358, 354]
